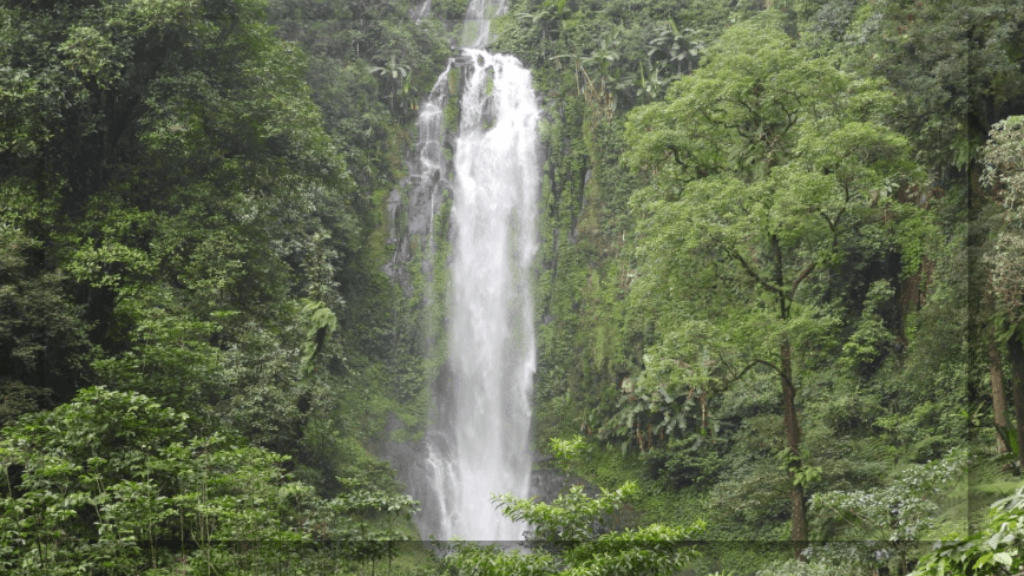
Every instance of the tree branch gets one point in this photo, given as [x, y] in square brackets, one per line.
[675, 154]
[800, 278]
[755, 363]
[753, 273]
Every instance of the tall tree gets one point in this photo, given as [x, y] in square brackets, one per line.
[1004, 174]
[764, 166]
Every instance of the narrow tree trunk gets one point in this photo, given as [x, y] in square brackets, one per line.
[789, 416]
[796, 494]
[995, 372]
[1015, 353]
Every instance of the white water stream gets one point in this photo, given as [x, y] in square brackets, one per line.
[478, 445]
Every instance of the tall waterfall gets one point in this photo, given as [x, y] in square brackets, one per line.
[478, 443]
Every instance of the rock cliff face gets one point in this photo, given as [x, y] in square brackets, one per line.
[426, 192]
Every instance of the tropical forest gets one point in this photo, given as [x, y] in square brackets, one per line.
[512, 287]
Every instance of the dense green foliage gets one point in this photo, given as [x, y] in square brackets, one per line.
[813, 182]
[112, 483]
[171, 172]
[779, 288]
[571, 535]
[995, 549]
[185, 218]
[768, 172]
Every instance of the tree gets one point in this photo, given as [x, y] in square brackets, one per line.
[956, 65]
[765, 166]
[113, 482]
[1004, 174]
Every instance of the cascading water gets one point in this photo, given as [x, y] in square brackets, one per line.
[478, 443]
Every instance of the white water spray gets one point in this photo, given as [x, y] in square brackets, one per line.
[478, 445]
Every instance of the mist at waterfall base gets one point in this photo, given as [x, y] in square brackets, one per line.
[477, 444]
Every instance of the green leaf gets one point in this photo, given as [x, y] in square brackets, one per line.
[1003, 558]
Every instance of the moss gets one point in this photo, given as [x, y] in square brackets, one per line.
[451, 105]
[451, 117]
[454, 82]
[489, 83]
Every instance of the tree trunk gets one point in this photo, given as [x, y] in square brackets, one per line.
[796, 494]
[789, 416]
[1015, 353]
[995, 372]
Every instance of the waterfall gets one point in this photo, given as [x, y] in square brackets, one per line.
[477, 23]
[478, 442]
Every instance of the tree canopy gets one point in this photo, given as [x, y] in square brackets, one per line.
[767, 166]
